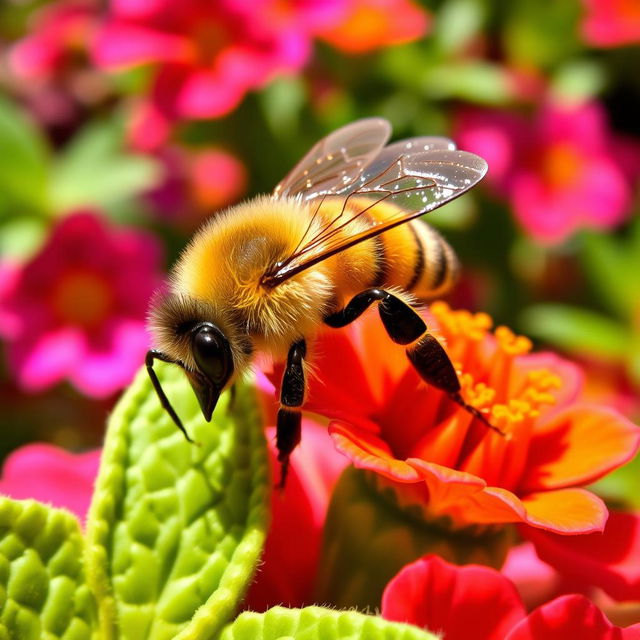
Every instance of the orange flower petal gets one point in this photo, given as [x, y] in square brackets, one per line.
[579, 445]
[566, 511]
[366, 450]
[446, 486]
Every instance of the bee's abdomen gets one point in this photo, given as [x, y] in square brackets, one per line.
[435, 265]
[415, 257]
[412, 256]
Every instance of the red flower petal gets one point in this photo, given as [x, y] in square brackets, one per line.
[610, 560]
[458, 602]
[570, 617]
[578, 446]
[289, 564]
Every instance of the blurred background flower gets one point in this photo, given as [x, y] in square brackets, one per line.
[76, 310]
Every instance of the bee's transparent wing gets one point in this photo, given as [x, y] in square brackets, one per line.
[415, 182]
[336, 162]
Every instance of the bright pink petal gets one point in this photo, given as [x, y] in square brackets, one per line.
[49, 360]
[100, 373]
[578, 446]
[565, 618]
[609, 560]
[120, 44]
[289, 564]
[149, 127]
[51, 475]
[207, 95]
[536, 581]
[457, 602]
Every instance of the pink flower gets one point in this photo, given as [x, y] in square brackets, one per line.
[51, 475]
[205, 55]
[611, 23]
[560, 170]
[77, 309]
[58, 33]
[197, 183]
[478, 602]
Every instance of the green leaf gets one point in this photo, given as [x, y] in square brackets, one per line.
[458, 22]
[94, 170]
[621, 486]
[576, 330]
[23, 163]
[607, 262]
[318, 623]
[477, 81]
[43, 593]
[175, 529]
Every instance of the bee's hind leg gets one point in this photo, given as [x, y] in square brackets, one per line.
[405, 326]
[292, 392]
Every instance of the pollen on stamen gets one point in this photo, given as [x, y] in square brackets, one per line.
[472, 326]
[511, 343]
[488, 386]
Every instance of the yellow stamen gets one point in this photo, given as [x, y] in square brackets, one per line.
[487, 384]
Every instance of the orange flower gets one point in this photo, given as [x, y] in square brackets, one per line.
[370, 25]
[435, 454]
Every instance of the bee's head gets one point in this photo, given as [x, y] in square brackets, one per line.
[196, 337]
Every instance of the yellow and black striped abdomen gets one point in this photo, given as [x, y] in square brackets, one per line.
[413, 256]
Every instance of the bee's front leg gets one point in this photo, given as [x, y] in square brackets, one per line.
[289, 419]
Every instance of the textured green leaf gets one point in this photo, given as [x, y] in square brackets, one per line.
[576, 330]
[318, 623]
[43, 593]
[176, 529]
[94, 170]
[23, 163]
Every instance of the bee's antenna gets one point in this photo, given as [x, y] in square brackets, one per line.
[154, 354]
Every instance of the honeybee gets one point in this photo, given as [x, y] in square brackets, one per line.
[338, 234]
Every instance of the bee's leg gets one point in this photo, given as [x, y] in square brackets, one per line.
[405, 326]
[291, 399]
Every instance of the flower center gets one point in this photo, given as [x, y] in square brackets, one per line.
[510, 402]
[209, 39]
[561, 165]
[82, 298]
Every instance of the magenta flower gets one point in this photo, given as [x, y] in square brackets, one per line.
[59, 32]
[479, 602]
[205, 55]
[51, 475]
[611, 23]
[77, 309]
[560, 171]
[197, 182]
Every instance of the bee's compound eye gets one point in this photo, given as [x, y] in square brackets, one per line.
[212, 353]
